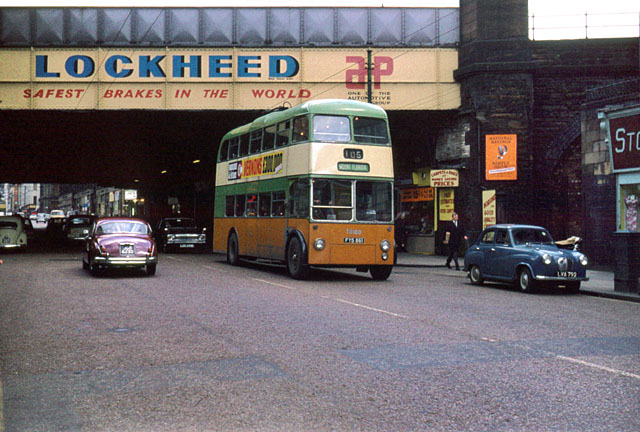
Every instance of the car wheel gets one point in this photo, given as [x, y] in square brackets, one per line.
[151, 269]
[526, 283]
[475, 276]
[381, 272]
[233, 256]
[295, 260]
[573, 287]
[93, 267]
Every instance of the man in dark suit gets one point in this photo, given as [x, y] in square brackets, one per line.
[456, 233]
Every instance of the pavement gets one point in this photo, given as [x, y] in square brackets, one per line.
[601, 283]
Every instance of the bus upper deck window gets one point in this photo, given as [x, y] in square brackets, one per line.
[370, 130]
[224, 151]
[268, 139]
[331, 128]
[256, 141]
[244, 144]
[233, 148]
[282, 135]
[300, 129]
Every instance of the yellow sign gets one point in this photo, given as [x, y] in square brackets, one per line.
[501, 157]
[224, 78]
[445, 178]
[488, 208]
[417, 194]
[421, 177]
[446, 204]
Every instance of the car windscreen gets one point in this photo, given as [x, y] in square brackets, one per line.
[80, 221]
[122, 227]
[523, 236]
[180, 223]
[8, 225]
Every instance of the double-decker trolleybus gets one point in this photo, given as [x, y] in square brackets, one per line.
[308, 186]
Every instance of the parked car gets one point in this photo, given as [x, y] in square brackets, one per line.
[525, 255]
[120, 242]
[77, 228]
[55, 230]
[13, 234]
[180, 233]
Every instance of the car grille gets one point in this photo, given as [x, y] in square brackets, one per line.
[565, 264]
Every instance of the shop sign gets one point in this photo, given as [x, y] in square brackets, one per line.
[446, 204]
[445, 178]
[624, 133]
[501, 157]
[488, 208]
[417, 194]
[130, 194]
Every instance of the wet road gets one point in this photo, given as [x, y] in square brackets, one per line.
[203, 346]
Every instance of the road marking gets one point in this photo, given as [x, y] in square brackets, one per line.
[214, 268]
[173, 258]
[273, 283]
[596, 366]
[369, 308]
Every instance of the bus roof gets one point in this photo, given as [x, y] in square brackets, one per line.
[320, 106]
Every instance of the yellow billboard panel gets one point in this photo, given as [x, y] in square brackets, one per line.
[488, 208]
[446, 204]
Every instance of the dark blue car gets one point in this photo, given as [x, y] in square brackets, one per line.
[525, 255]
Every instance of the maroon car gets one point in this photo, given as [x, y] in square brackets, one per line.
[119, 242]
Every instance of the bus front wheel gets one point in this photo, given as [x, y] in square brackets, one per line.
[381, 272]
[296, 266]
[233, 255]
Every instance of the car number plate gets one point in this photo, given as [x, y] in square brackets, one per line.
[567, 274]
[355, 240]
[186, 245]
[127, 249]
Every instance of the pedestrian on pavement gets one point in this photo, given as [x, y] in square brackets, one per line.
[400, 231]
[454, 235]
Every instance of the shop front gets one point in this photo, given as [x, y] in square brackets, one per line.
[623, 138]
[425, 202]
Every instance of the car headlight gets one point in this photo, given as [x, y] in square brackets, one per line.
[546, 258]
[583, 260]
[385, 245]
[202, 237]
[318, 244]
[170, 237]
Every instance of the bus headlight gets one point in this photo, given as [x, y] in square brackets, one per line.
[385, 256]
[385, 245]
[318, 244]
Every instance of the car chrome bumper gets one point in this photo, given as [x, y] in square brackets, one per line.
[125, 261]
[561, 279]
[11, 246]
[185, 242]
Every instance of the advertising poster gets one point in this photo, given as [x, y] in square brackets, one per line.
[501, 157]
[224, 78]
[445, 204]
[488, 208]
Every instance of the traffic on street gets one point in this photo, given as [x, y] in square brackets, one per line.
[208, 346]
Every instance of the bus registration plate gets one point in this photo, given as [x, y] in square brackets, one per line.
[354, 240]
